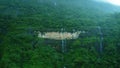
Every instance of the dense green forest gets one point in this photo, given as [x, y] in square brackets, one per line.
[20, 46]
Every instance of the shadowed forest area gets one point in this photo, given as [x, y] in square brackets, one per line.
[97, 46]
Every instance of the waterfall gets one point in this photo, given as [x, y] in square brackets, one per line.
[63, 40]
[101, 39]
[55, 3]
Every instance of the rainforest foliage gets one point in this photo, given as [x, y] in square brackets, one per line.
[98, 47]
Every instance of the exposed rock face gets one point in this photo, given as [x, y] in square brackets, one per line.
[59, 35]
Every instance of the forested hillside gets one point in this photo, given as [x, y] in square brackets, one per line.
[97, 47]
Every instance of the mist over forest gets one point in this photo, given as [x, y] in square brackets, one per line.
[59, 34]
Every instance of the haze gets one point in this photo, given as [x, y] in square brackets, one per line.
[113, 2]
